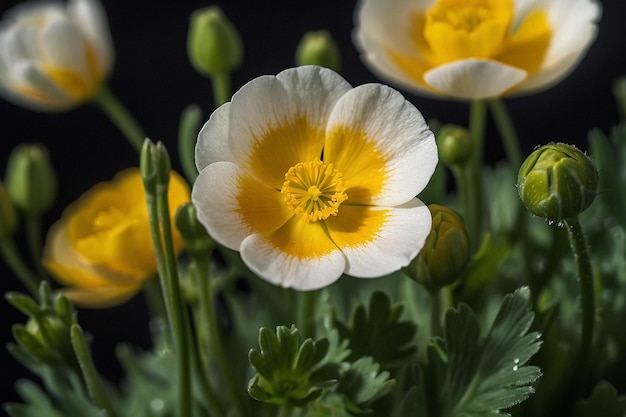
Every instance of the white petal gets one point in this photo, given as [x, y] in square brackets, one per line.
[63, 46]
[400, 133]
[25, 74]
[269, 101]
[380, 25]
[212, 145]
[284, 270]
[215, 196]
[474, 78]
[399, 241]
[90, 16]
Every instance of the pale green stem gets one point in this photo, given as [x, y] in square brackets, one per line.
[90, 374]
[436, 312]
[237, 395]
[474, 216]
[20, 269]
[221, 88]
[187, 135]
[285, 411]
[120, 117]
[587, 296]
[507, 132]
[33, 238]
[308, 300]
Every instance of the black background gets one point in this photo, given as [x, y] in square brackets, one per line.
[153, 77]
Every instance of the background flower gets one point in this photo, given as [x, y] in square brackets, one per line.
[101, 248]
[310, 178]
[475, 48]
[54, 57]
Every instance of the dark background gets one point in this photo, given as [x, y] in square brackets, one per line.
[153, 77]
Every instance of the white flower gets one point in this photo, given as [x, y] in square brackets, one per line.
[54, 57]
[473, 49]
[309, 178]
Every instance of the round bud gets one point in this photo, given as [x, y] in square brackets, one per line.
[454, 144]
[318, 48]
[557, 182]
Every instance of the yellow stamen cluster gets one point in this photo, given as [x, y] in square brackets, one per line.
[314, 190]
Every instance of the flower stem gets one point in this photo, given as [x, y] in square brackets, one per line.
[507, 132]
[238, 400]
[308, 300]
[90, 374]
[581, 255]
[221, 88]
[474, 210]
[436, 308]
[19, 268]
[187, 135]
[120, 117]
[32, 224]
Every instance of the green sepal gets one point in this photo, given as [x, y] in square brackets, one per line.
[603, 401]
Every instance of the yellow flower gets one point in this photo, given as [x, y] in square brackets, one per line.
[473, 49]
[54, 57]
[309, 178]
[101, 248]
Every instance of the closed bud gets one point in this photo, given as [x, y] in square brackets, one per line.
[53, 337]
[196, 240]
[318, 48]
[30, 179]
[8, 217]
[454, 144]
[445, 252]
[557, 182]
[213, 43]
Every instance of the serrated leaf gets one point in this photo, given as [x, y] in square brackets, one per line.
[471, 375]
[603, 401]
[362, 384]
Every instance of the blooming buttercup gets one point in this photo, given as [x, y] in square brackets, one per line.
[101, 249]
[309, 178]
[472, 49]
[54, 57]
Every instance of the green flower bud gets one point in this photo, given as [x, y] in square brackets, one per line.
[557, 182]
[30, 179]
[213, 43]
[318, 48]
[8, 217]
[454, 144]
[445, 253]
[53, 337]
[196, 240]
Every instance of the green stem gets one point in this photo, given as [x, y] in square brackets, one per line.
[187, 135]
[436, 311]
[203, 279]
[19, 268]
[474, 216]
[285, 411]
[90, 374]
[221, 88]
[307, 314]
[32, 224]
[581, 255]
[507, 132]
[120, 117]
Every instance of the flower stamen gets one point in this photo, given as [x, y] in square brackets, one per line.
[314, 190]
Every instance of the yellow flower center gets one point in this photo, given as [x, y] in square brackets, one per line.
[314, 190]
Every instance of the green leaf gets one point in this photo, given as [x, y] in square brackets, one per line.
[380, 323]
[603, 402]
[362, 384]
[470, 375]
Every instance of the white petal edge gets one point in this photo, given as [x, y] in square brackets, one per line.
[212, 145]
[400, 240]
[288, 271]
[399, 131]
[269, 101]
[63, 46]
[474, 78]
[215, 196]
[91, 17]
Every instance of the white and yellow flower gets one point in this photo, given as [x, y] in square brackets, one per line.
[473, 49]
[54, 57]
[309, 178]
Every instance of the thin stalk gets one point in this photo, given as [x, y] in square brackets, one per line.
[32, 224]
[307, 314]
[120, 117]
[221, 88]
[11, 256]
[507, 132]
[187, 134]
[93, 382]
[238, 401]
[587, 295]
[474, 216]
[436, 311]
